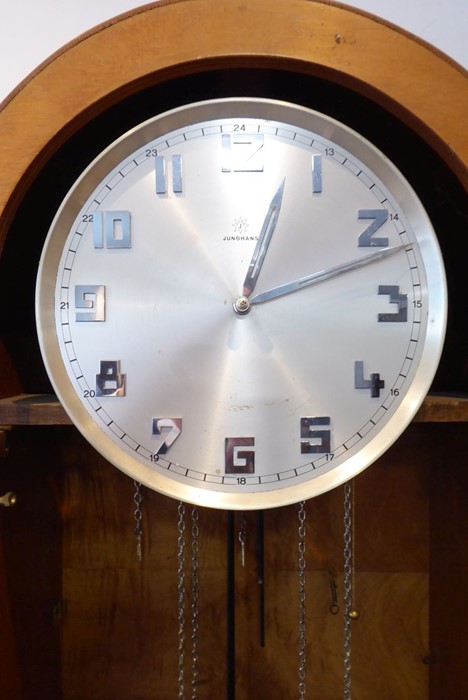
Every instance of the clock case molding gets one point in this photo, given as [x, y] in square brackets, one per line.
[401, 93]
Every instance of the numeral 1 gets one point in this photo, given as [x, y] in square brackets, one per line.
[316, 174]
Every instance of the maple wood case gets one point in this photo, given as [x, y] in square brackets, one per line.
[81, 618]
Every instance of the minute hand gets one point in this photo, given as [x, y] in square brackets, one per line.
[324, 275]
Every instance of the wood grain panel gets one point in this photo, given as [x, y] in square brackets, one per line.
[120, 622]
[390, 638]
[31, 534]
[449, 562]
[9, 664]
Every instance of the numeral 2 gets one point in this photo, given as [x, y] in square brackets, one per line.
[366, 238]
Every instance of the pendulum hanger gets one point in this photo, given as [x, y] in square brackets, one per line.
[195, 596]
[137, 514]
[181, 600]
[350, 613]
[302, 657]
[194, 607]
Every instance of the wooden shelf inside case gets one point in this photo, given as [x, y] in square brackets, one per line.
[45, 409]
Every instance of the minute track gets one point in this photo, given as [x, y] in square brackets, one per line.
[169, 328]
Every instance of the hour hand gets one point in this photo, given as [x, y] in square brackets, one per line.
[263, 242]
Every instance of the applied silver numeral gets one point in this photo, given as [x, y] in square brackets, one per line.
[366, 238]
[112, 229]
[168, 430]
[239, 455]
[374, 383]
[110, 381]
[90, 302]
[315, 441]
[242, 153]
[316, 174]
[161, 174]
[401, 300]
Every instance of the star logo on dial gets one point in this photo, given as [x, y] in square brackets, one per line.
[240, 225]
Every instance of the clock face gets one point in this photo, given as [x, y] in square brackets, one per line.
[241, 303]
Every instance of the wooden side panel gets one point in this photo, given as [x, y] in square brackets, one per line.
[31, 533]
[449, 562]
[9, 665]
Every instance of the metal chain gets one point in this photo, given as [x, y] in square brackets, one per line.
[195, 597]
[137, 514]
[181, 599]
[348, 587]
[302, 657]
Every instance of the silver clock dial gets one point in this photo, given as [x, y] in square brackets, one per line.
[241, 303]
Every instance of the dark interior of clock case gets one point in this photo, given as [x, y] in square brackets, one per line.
[441, 193]
[89, 621]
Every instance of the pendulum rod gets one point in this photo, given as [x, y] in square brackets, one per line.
[230, 612]
[302, 652]
[261, 575]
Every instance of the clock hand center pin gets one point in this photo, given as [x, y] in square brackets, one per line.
[242, 305]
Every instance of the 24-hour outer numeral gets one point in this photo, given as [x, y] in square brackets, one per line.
[238, 459]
